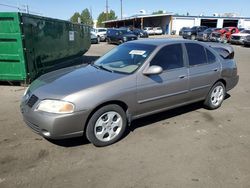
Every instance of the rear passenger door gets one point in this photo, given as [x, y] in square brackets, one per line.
[204, 70]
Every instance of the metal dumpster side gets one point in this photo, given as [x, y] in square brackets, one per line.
[12, 60]
[41, 45]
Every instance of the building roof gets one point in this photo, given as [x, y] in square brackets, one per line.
[139, 16]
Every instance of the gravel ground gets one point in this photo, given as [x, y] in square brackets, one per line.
[186, 147]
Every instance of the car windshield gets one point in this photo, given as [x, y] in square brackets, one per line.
[246, 31]
[126, 58]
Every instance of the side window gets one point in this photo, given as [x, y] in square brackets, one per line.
[211, 58]
[196, 54]
[169, 57]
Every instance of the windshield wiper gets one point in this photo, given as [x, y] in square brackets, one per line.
[101, 67]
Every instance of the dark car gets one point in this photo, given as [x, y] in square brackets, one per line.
[247, 41]
[205, 35]
[182, 29]
[140, 33]
[119, 36]
[134, 80]
[193, 32]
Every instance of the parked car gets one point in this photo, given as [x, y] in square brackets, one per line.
[205, 35]
[140, 33]
[223, 35]
[158, 30]
[247, 41]
[182, 29]
[192, 33]
[94, 38]
[238, 38]
[149, 30]
[119, 36]
[133, 80]
[101, 34]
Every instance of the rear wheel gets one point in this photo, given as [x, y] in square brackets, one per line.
[215, 96]
[106, 126]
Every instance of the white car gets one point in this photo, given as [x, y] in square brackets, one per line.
[158, 31]
[101, 33]
[238, 38]
[149, 30]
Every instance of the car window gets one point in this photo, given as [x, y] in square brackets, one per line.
[211, 58]
[196, 54]
[169, 57]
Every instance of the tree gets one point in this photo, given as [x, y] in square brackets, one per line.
[158, 12]
[104, 17]
[86, 17]
[75, 17]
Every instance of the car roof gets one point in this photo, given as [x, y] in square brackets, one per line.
[161, 42]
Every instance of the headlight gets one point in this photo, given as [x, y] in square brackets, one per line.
[55, 106]
[125, 38]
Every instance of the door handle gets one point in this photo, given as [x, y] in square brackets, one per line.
[215, 70]
[182, 76]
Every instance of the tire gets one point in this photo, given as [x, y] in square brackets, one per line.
[192, 37]
[215, 96]
[108, 40]
[106, 126]
[120, 42]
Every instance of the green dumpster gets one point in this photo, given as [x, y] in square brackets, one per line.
[33, 45]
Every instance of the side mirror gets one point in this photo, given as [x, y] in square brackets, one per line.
[152, 70]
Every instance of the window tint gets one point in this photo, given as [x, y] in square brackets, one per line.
[196, 54]
[210, 57]
[169, 57]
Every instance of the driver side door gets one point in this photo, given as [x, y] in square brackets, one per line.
[165, 90]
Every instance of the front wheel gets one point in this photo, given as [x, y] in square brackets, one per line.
[215, 96]
[106, 126]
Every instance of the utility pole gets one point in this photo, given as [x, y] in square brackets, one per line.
[107, 10]
[27, 9]
[121, 9]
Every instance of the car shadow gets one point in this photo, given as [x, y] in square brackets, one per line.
[136, 124]
[70, 142]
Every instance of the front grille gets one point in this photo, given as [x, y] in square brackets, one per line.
[216, 34]
[235, 37]
[32, 100]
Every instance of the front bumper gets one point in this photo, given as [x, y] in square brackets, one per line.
[186, 36]
[232, 41]
[54, 126]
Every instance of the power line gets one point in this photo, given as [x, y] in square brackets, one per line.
[25, 9]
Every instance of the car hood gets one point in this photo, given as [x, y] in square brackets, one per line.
[241, 34]
[64, 82]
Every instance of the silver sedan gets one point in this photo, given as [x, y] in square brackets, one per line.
[131, 81]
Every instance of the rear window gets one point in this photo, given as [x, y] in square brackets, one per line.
[210, 57]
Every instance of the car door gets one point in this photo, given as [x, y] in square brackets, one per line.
[204, 70]
[170, 88]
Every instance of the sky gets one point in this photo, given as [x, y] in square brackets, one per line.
[64, 9]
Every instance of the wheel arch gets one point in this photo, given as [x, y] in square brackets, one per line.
[122, 104]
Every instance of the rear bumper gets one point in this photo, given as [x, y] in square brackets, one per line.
[232, 82]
